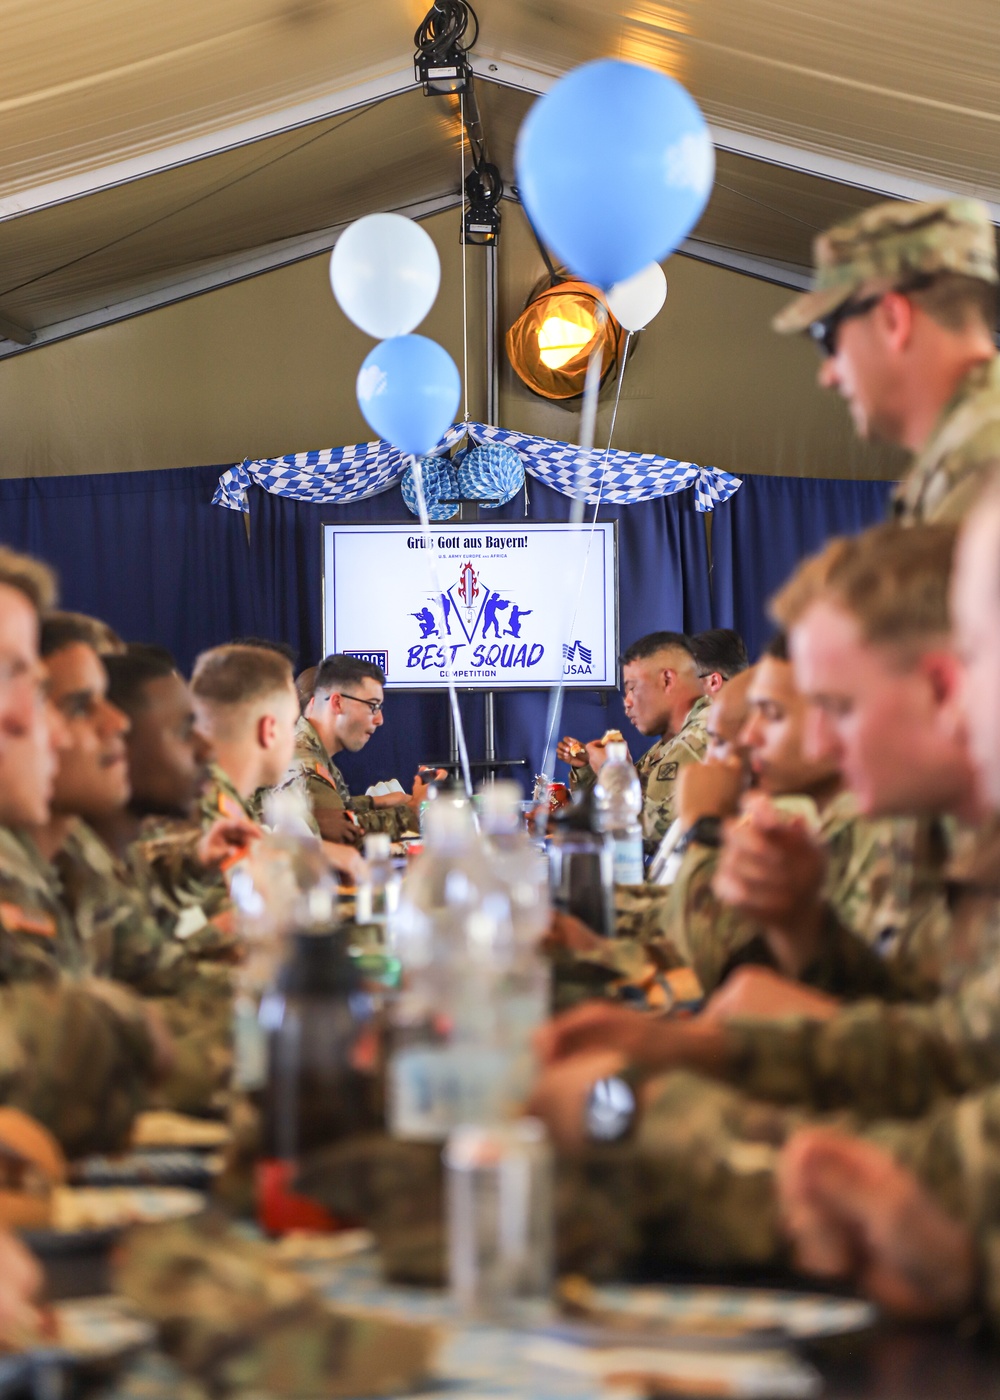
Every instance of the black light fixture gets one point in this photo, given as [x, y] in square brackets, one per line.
[483, 193]
[440, 62]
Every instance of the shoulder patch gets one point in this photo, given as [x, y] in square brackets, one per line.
[17, 920]
[667, 772]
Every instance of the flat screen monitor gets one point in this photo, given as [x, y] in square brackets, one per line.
[515, 607]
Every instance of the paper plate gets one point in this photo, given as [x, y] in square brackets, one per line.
[725, 1311]
[90, 1212]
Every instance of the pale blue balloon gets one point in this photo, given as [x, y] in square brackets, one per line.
[408, 390]
[614, 166]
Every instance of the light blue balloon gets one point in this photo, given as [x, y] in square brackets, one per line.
[408, 390]
[614, 166]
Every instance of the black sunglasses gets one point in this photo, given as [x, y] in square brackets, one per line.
[824, 332]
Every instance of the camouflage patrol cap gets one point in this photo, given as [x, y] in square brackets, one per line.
[894, 241]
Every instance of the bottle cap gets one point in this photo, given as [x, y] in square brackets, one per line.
[616, 753]
[377, 845]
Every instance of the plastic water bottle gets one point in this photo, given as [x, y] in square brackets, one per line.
[453, 932]
[517, 861]
[618, 807]
[378, 891]
[525, 994]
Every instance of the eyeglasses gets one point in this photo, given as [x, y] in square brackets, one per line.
[824, 332]
[374, 705]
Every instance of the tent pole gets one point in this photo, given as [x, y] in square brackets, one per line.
[492, 360]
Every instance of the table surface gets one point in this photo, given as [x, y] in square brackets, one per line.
[490, 1363]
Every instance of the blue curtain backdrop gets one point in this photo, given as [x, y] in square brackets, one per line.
[147, 552]
[761, 533]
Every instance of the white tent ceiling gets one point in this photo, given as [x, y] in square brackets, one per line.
[149, 152]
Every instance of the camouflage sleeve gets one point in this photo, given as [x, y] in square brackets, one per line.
[878, 1058]
[582, 778]
[715, 939]
[200, 1021]
[659, 807]
[395, 821]
[959, 478]
[848, 968]
[184, 917]
[77, 1057]
[321, 792]
[636, 909]
[694, 1186]
[707, 933]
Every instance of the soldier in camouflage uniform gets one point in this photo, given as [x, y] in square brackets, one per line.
[868, 620]
[247, 705]
[904, 308]
[78, 1055]
[849, 1206]
[686, 923]
[344, 712]
[663, 696]
[708, 1151]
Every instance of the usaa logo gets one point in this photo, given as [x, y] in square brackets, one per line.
[578, 660]
[377, 658]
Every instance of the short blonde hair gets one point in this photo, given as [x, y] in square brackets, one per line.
[33, 579]
[892, 579]
[239, 675]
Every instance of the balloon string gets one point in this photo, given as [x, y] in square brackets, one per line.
[456, 714]
[465, 291]
[588, 427]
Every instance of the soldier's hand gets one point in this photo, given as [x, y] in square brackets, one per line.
[22, 1320]
[771, 868]
[567, 931]
[709, 790]
[226, 840]
[757, 991]
[347, 860]
[595, 1026]
[336, 824]
[422, 783]
[597, 754]
[852, 1212]
[390, 799]
[571, 751]
[560, 1095]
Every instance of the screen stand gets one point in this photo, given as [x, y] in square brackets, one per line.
[468, 513]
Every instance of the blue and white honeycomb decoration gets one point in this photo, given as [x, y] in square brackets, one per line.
[492, 473]
[440, 485]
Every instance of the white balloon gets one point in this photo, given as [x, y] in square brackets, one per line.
[637, 300]
[385, 273]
